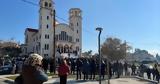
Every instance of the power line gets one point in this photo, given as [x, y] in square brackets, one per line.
[29, 2]
[62, 19]
[34, 4]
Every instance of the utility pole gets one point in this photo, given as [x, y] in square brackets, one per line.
[54, 39]
[108, 70]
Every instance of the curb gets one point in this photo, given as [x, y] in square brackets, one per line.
[152, 81]
[7, 79]
[4, 77]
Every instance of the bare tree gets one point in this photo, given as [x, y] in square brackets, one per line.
[114, 49]
[9, 48]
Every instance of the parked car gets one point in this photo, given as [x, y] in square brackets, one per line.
[6, 69]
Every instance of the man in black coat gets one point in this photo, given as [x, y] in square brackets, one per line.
[79, 67]
[52, 65]
[45, 64]
[72, 66]
[148, 73]
[93, 68]
[126, 68]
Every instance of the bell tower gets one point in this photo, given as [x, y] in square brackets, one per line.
[46, 14]
[75, 18]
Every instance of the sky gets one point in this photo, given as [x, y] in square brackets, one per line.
[136, 21]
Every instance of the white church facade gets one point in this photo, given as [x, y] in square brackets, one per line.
[68, 37]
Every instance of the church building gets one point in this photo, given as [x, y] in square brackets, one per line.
[68, 36]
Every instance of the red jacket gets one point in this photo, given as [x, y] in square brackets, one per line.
[63, 70]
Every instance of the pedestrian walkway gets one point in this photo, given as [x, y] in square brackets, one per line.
[129, 81]
[4, 80]
[73, 81]
[112, 81]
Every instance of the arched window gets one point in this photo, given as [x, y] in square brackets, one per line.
[77, 31]
[59, 37]
[47, 17]
[77, 23]
[47, 26]
[46, 4]
[46, 46]
[65, 36]
[50, 5]
[77, 48]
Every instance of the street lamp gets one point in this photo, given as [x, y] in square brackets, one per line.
[100, 30]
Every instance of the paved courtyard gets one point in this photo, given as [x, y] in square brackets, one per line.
[4, 80]
[129, 81]
[113, 81]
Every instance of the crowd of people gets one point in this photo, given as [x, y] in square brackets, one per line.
[154, 71]
[34, 69]
[34, 72]
[89, 68]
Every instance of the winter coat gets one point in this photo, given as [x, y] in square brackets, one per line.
[31, 75]
[63, 70]
[93, 66]
[86, 67]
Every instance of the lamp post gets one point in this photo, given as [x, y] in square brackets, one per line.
[100, 30]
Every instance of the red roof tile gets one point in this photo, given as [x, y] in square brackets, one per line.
[32, 30]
